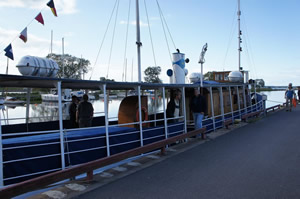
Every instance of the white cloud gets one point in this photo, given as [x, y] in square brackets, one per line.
[62, 6]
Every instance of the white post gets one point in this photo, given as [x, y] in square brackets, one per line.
[106, 120]
[201, 76]
[245, 101]
[212, 107]
[238, 98]
[155, 106]
[1, 156]
[165, 113]
[184, 109]
[138, 41]
[222, 103]
[140, 116]
[231, 105]
[61, 130]
[27, 105]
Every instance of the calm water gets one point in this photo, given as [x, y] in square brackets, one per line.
[48, 111]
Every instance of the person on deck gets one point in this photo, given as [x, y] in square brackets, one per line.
[173, 107]
[72, 112]
[299, 94]
[198, 106]
[85, 112]
[289, 94]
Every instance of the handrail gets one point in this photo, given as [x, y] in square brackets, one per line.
[36, 183]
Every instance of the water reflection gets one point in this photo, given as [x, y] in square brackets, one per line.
[48, 111]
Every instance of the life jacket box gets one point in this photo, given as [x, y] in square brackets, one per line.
[129, 111]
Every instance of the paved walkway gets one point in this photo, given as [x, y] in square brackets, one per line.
[260, 160]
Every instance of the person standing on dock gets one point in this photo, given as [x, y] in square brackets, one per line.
[72, 112]
[198, 106]
[289, 94]
[173, 107]
[85, 112]
[299, 94]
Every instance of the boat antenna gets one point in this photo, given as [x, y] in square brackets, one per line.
[202, 61]
[138, 41]
[239, 34]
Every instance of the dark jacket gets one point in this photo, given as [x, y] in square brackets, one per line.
[171, 108]
[85, 111]
[72, 111]
[198, 104]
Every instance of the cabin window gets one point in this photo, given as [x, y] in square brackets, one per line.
[219, 77]
[226, 76]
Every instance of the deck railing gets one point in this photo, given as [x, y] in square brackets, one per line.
[141, 136]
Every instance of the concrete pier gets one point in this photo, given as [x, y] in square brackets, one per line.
[259, 160]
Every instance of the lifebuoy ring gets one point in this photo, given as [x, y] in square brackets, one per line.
[145, 111]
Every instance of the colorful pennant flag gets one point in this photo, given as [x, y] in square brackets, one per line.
[51, 5]
[9, 52]
[23, 35]
[39, 18]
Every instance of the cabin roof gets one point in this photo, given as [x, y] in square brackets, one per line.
[46, 82]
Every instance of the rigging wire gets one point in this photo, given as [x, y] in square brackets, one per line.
[149, 28]
[19, 33]
[112, 39]
[167, 27]
[233, 26]
[162, 23]
[108, 24]
[249, 52]
[126, 41]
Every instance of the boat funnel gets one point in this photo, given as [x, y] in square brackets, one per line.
[179, 68]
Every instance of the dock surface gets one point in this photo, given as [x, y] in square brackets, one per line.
[259, 160]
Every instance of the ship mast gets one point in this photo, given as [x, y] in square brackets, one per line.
[138, 41]
[239, 34]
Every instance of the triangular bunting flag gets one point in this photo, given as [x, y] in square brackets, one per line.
[39, 18]
[9, 52]
[23, 35]
[51, 5]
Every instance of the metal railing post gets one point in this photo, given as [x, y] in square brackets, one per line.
[106, 120]
[61, 128]
[1, 157]
[222, 103]
[140, 115]
[165, 113]
[231, 105]
[212, 108]
[184, 109]
[245, 102]
[27, 105]
[238, 98]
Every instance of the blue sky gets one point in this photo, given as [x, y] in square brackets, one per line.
[270, 35]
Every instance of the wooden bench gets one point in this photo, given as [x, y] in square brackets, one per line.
[227, 123]
[246, 116]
